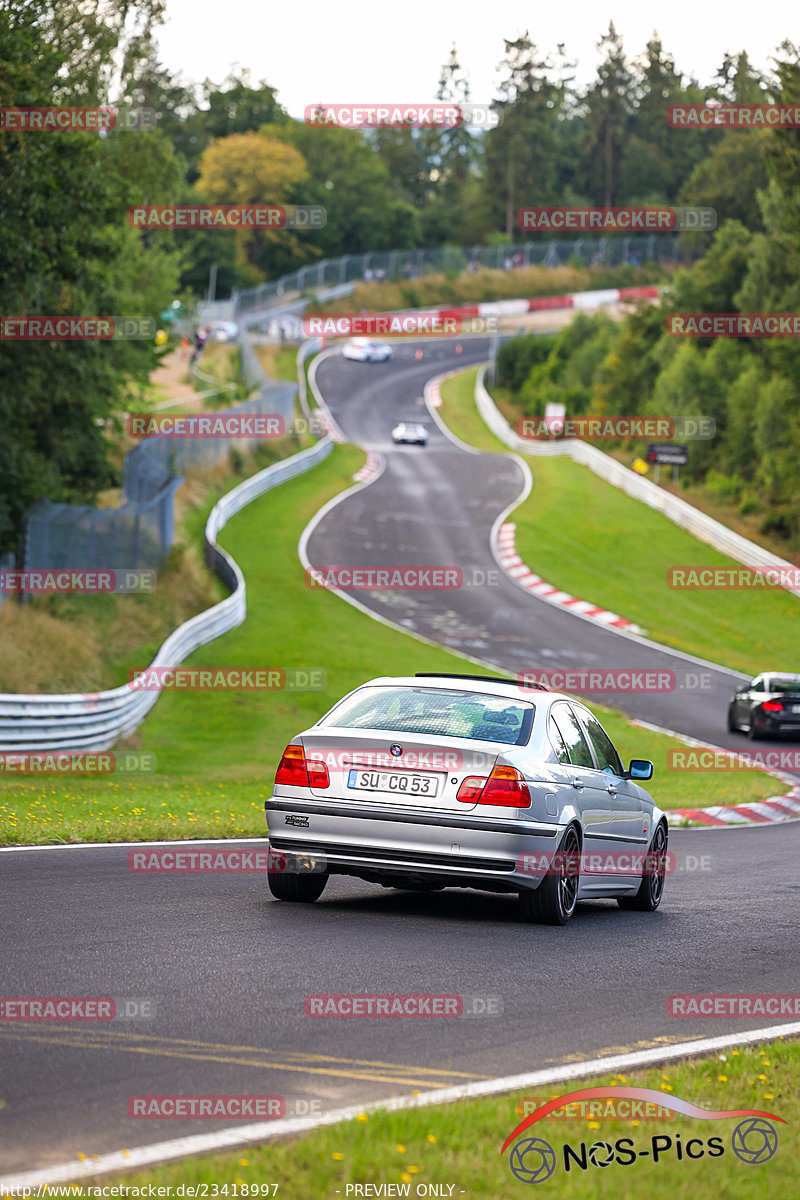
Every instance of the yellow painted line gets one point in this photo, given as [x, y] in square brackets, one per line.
[610, 1051]
[291, 1055]
[87, 1043]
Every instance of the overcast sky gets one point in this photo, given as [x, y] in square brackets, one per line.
[353, 51]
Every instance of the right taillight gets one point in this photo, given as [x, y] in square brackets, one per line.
[292, 770]
[505, 786]
[317, 773]
[471, 789]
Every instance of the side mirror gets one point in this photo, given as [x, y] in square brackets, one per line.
[640, 768]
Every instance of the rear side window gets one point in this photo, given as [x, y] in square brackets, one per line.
[757, 685]
[557, 742]
[784, 685]
[567, 725]
[607, 758]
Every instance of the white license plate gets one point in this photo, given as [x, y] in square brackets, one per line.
[402, 783]
[796, 708]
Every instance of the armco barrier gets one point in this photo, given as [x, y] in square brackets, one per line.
[95, 722]
[701, 526]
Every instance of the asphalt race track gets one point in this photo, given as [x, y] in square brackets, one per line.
[227, 969]
[436, 505]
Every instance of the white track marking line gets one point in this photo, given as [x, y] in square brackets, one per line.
[224, 1139]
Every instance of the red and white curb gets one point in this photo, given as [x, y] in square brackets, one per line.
[525, 577]
[760, 812]
[434, 392]
[516, 308]
[370, 470]
[321, 416]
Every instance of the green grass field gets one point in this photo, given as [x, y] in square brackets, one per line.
[590, 539]
[458, 1145]
[217, 752]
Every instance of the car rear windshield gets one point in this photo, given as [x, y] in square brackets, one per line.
[436, 711]
[778, 684]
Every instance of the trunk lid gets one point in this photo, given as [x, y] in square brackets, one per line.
[426, 774]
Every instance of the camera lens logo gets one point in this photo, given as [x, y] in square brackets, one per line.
[532, 1161]
[601, 1154]
[754, 1141]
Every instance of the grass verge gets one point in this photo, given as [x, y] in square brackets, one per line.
[457, 1146]
[216, 752]
[590, 539]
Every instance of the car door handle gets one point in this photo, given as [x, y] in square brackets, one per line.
[612, 791]
[576, 783]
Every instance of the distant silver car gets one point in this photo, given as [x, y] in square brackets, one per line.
[433, 781]
[365, 350]
[410, 433]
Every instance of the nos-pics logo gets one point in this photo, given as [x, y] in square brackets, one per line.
[754, 1139]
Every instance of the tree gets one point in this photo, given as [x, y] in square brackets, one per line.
[657, 159]
[522, 152]
[346, 176]
[250, 168]
[65, 248]
[609, 105]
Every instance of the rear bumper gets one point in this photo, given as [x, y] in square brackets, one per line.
[374, 841]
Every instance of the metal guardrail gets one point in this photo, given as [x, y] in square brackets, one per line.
[695, 522]
[96, 721]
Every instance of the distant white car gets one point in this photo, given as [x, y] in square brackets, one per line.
[223, 331]
[365, 350]
[410, 434]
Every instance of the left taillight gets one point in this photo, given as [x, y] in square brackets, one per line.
[772, 706]
[292, 770]
[295, 770]
[505, 786]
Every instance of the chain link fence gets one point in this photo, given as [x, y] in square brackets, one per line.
[410, 264]
[140, 532]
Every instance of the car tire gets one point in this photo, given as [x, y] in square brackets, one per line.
[651, 889]
[553, 902]
[300, 889]
[732, 726]
[752, 731]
